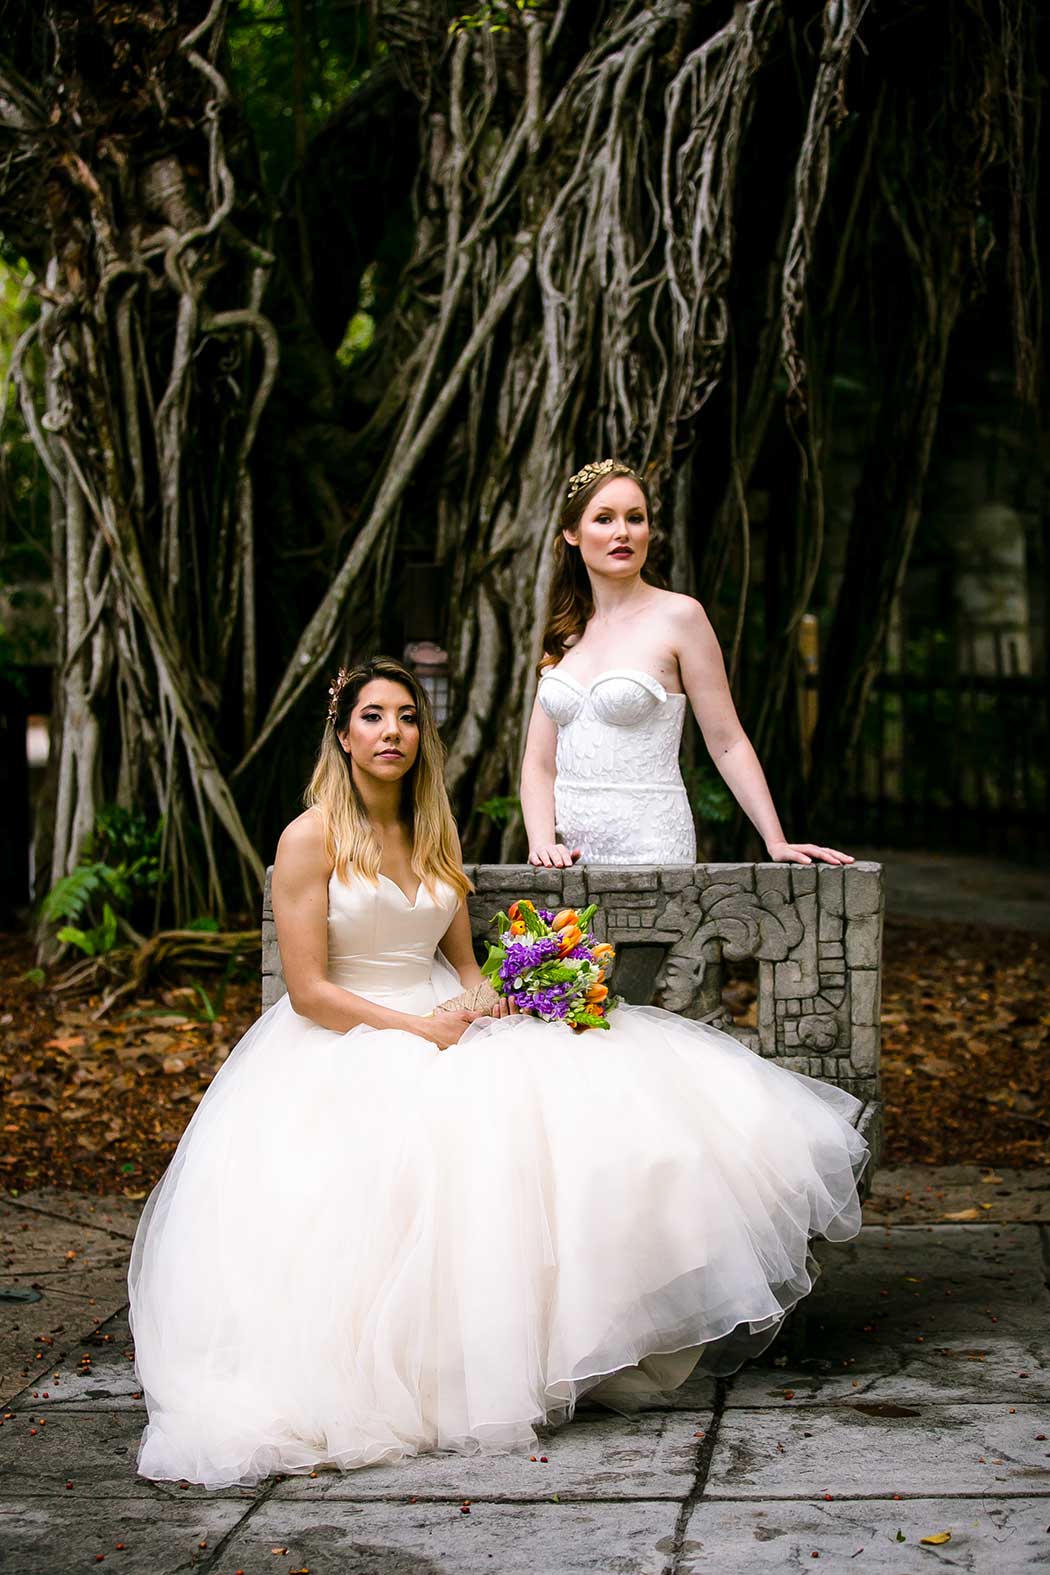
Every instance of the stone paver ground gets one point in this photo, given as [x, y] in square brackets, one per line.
[912, 1399]
[967, 888]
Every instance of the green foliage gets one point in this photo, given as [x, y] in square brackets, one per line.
[496, 16]
[501, 809]
[337, 52]
[711, 800]
[208, 1011]
[96, 941]
[205, 923]
[72, 896]
[360, 330]
[25, 520]
[118, 873]
[125, 837]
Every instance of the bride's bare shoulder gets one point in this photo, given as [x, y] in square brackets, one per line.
[685, 612]
[302, 842]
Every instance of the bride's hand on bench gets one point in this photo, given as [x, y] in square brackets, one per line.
[805, 853]
[554, 855]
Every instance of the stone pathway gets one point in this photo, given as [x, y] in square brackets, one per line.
[913, 1399]
[963, 887]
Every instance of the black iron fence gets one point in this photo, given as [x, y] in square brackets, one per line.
[955, 759]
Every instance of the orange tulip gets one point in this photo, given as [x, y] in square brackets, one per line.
[604, 950]
[566, 917]
[569, 938]
[518, 927]
[597, 992]
[523, 902]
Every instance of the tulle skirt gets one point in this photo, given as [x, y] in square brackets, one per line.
[364, 1248]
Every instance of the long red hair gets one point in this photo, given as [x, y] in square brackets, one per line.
[570, 602]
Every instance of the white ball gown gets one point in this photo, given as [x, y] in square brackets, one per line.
[364, 1248]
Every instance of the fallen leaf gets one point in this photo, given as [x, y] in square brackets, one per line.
[938, 1539]
[963, 1214]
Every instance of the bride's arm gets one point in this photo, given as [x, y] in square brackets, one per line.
[537, 793]
[300, 909]
[704, 681]
[457, 946]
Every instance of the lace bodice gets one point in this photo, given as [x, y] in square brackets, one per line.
[618, 789]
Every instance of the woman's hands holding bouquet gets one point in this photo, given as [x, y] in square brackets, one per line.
[546, 965]
[445, 1029]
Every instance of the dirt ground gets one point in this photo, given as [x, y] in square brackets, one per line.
[98, 1104]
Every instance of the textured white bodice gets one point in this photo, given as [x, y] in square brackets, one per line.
[382, 946]
[618, 791]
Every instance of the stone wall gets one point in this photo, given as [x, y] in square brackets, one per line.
[813, 932]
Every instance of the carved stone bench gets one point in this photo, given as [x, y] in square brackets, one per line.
[812, 932]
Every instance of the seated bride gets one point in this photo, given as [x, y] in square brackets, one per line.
[389, 1229]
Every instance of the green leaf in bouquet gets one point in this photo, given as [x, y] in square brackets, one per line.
[502, 923]
[532, 921]
[494, 961]
[587, 915]
[589, 1020]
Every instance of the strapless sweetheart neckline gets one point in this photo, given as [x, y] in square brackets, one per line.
[413, 902]
[618, 791]
[647, 680]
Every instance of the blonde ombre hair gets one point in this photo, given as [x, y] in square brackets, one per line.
[349, 838]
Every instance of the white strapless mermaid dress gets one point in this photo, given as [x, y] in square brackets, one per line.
[618, 791]
[364, 1249]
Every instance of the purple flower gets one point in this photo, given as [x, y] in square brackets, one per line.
[525, 954]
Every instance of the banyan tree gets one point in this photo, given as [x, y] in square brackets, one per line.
[682, 233]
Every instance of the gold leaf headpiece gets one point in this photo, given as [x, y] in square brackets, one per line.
[589, 473]
[335, 690]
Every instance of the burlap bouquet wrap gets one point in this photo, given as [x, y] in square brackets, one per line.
[483, 998]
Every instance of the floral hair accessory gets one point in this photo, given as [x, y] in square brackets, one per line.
[548, 965]
[589, 473]
[335, 690]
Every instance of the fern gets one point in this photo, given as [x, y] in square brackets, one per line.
[70, 897]
[119, 870]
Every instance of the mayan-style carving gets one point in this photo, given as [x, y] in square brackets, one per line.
[813, 931]
[722, 920]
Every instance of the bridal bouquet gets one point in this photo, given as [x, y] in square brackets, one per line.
[547, 964]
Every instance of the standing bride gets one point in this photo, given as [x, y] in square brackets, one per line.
[600, 776]
[387, 1231]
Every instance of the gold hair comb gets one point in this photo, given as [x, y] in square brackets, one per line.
[335, 690]
[589, 473]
